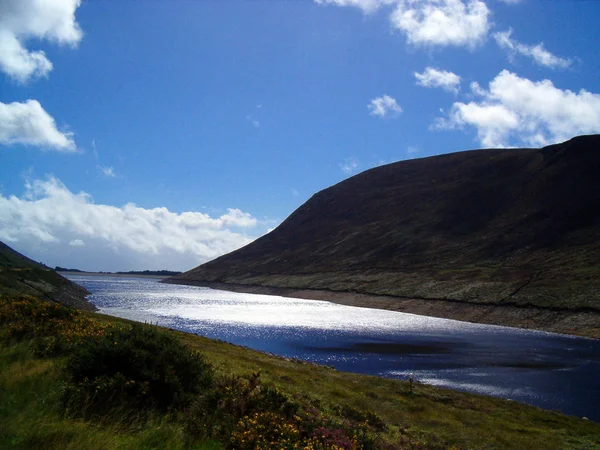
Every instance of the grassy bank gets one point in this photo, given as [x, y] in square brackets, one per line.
[83, 380]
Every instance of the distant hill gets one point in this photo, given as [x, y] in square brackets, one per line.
[160, 273]
[19, 274]
[510, 227]
[64, 269]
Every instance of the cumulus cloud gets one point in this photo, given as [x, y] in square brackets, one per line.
[384, 106]
[444, 79]
[25, 20]
[49, 215]
[28, 124]
[538, 53]
[462, 23]
[518, 111]
[442, 22]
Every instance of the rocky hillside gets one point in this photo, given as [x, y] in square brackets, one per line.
[21, 275]
[518, 227]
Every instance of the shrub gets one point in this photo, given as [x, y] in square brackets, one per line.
[25, 317]
[245, 414]
[215, 413]
[138, 366]
[232, 398]
[53, 328]
[267, 430]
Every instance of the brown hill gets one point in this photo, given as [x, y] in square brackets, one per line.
[518, 228]
[21, 275]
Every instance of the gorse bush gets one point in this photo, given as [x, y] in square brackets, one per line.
[137, 365]
[26, 317]
[53, 328]
[271, 431]
[267, 430]
[246, 414]
[232, 398]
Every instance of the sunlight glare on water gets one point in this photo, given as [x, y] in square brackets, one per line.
[221, 307]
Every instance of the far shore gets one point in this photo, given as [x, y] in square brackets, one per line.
[106, 274]
[575, 323]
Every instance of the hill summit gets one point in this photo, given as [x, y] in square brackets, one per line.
[499, 227]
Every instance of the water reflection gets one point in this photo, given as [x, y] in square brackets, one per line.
[543, 369]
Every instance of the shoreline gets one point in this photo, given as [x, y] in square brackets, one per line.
[573, 323]
[106, 274]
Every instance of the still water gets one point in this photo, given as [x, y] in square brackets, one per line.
[543, 369]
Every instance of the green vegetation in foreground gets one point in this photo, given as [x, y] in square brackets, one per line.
[74, 380]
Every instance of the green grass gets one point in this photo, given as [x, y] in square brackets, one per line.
[30, 417]
[32, 388]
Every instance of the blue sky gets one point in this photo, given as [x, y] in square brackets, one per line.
[161, 134]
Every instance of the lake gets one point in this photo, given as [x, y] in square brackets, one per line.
[543, 369]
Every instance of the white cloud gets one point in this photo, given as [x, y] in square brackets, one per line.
[538, 53]
[77, 243]
[412, 150]
[518, 111]
[384, 106]
[349, 166]
[442, 22]
[25, 20]
[462, 23]
[28, 124]
[116, 238]
[107, 171]
[444, 79]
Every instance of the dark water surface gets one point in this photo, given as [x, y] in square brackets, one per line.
[543, 369]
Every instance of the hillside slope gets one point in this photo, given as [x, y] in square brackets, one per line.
[21, 275]
[483, 228]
